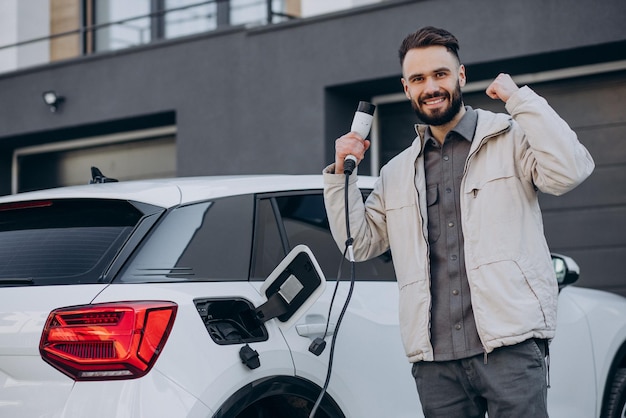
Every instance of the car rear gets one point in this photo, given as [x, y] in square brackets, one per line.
[56, 256]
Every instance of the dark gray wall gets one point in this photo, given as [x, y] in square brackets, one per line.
[273, 99]
[254, 100]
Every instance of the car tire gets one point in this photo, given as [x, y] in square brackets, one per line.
[616, 403]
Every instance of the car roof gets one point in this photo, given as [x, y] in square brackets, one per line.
[180, 190]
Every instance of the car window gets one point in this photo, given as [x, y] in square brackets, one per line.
[205, 241]
[62, 241]
[268, 245]
[286, 220]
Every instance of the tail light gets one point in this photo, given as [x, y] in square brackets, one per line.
[107, 341]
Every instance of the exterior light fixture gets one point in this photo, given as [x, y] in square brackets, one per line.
[52, 99]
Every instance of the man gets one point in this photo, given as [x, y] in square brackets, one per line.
[459, 210]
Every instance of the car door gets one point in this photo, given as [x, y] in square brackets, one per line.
[370, 373]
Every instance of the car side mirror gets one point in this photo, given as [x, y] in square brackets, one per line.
[294, 285]
[566, 270]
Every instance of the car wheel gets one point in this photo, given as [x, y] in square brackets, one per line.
[279, 407]
[616, 404]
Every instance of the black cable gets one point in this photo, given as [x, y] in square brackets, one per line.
[348, 249]
[332, 300]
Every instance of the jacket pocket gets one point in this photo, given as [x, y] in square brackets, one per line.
[496, 200]
[406, 240]
[504, 301]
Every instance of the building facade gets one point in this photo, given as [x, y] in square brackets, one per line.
[228, 94]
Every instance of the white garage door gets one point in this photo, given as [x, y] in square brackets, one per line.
[132, 155]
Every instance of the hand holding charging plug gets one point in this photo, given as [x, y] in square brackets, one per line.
[350, 148]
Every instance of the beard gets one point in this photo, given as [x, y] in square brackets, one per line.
[440, 117]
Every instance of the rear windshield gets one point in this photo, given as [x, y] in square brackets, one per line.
[61, 241]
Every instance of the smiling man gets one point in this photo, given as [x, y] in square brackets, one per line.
[434, 91]
[459, 211]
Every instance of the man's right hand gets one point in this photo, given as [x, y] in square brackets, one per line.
[349, 144]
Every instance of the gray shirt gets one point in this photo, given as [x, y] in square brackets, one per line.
[453, 329]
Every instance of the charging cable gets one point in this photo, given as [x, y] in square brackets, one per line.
[361, 124]
[319, 344]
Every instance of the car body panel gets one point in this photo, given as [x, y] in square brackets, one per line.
[573, 390]
[150, 192]
[369, 329]
[189, 347]
[130, 399]
[171, 192]
[23, 373]
[605, 315]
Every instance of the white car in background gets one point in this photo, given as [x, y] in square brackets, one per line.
[152, 299]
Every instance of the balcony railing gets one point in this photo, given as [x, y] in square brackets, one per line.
[162, 23]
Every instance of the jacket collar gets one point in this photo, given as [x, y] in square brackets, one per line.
[488, 124]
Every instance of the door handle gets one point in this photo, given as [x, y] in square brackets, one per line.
[315, 330]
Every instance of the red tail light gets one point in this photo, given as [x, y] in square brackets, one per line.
[107, 341]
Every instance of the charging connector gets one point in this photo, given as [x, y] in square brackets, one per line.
[317, 346]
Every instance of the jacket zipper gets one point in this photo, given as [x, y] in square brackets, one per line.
[430, 299]
[475, 193]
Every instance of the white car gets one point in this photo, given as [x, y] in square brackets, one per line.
[195, 297]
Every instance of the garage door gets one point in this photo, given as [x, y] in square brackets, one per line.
[149, 153]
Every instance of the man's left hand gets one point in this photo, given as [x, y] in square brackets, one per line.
[502, 87]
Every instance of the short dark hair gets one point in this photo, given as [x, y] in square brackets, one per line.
[429, 36]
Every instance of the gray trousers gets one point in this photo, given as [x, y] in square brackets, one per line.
[512, 384]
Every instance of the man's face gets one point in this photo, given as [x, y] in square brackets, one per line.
[432, 79]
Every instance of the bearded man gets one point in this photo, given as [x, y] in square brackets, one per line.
[460, 213]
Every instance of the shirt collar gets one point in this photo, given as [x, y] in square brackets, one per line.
[465, 128]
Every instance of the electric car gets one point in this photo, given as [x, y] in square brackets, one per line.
[225, 297]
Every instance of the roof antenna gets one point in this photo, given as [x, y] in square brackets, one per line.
[98, 177]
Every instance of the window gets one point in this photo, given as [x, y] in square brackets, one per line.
[190, 16]
[133, 27]
[268, 244]
[62, 241]
[284, 221]
[206, 241]
[121, 23]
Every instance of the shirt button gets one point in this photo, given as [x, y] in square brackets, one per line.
[446, 158]
[455, 292]
[450, 224]
[448, 190]
[453, 257]
[457, 327]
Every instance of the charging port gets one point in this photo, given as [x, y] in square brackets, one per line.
[231, 321]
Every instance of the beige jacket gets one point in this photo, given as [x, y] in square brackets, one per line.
[512, 281]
